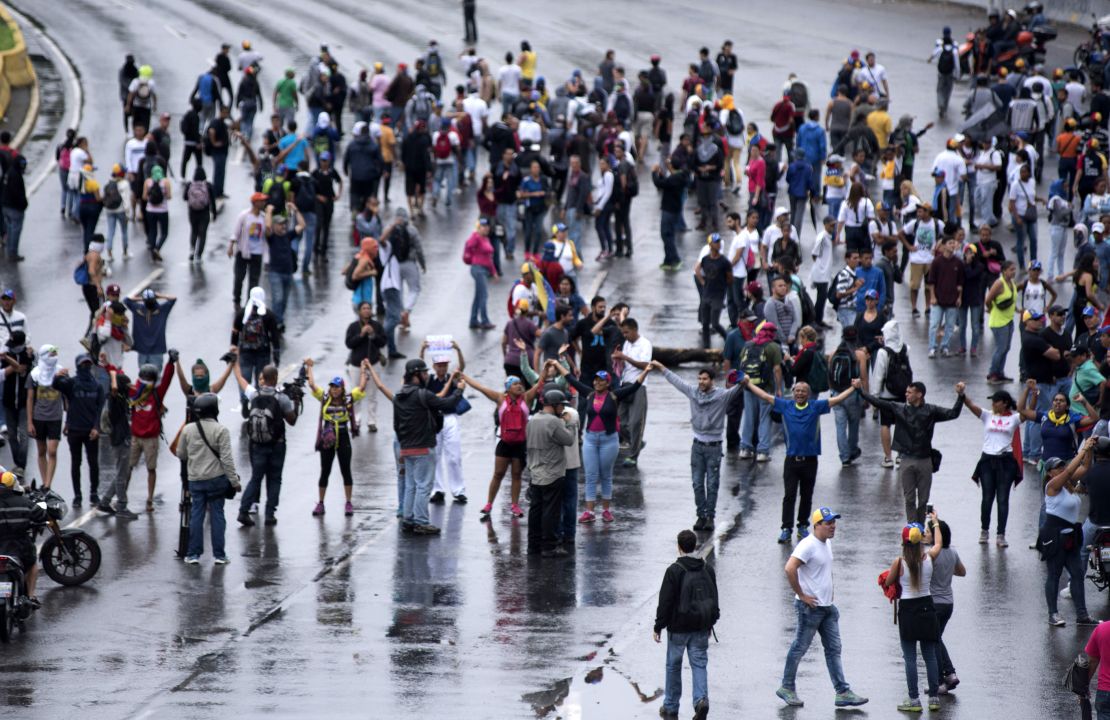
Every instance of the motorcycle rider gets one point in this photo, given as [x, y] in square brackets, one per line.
[1097, 483]
[17, 513]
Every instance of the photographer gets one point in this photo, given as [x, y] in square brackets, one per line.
[270, 409]
[206, 446]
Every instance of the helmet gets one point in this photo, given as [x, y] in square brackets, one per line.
[1024, 38]
[415, 367]
[148, 372]
[554, 397]
[207, 405]
[146, 71]
[8, 479]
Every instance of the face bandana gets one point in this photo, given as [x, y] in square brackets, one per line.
[201, 383]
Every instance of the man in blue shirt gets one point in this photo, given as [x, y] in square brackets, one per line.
[149, 329]
[297, 153]
[801, 423]
[873, 279]
[799, 185]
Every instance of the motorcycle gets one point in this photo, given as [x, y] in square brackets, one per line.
[69, 556]
[1100, 558]
[1091, 55]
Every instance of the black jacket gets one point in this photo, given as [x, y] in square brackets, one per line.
[17, 512]
[913, 426]
[414, 415]
[669, 590]
[85, 398]
[609, 411]
[672, 186]
[364, 347]
[362, 160]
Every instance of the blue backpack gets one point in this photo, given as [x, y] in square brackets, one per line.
[206, 87]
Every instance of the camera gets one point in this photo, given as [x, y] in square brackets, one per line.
[294, 389]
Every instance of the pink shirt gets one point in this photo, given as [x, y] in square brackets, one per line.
[757, 175]
[1098, 648]
[597, 425]
[378, 85]
[479, 251]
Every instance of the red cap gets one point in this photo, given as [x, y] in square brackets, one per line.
[402, 66]
[112, 289]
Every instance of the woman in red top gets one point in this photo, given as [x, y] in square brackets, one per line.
[487, 208]
[478, 254]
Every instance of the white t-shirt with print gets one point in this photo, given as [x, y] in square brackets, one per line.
[822, 259]
[924, 237]
[815, 573]
[998, 432]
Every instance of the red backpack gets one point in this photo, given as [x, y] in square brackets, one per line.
[442, 147]
[513, 420]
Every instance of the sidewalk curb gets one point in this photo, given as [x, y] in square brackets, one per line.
[30, 118]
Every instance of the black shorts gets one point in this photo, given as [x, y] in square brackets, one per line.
[415, 183]
[511, 450]
[48, 429]
[886, 417]
[23, 549]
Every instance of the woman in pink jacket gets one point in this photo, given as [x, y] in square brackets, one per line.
[478, 254]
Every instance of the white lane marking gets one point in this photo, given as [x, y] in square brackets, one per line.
[598, 281]
[154, 275]
[74, 102]
[174, 31]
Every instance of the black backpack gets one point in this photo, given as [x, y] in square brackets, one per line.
[349, 276]
[697, 599]
[265, 424]
[945, 63]
[156, 196]
[734, 124]
[633, 188]
[753, 365]
[818, 373]
[305, 196]
[843, 368]
[400, 243]
[899, 375]
[253, 334]
[112, 198]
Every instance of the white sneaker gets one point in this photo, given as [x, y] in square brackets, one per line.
[984, 537]
[888, 462]
[932, 353]
[1066, 592]
[762, 457]
[746, 454]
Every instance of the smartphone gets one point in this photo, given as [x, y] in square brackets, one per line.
[929, 509]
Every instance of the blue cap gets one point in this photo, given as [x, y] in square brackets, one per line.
[823, 514]
[872, 294]
[325, 155]
[560, 227]
[1036, 265]
[715, 239]
[1022, 134]
[510, 381]
[338, 381]
[1089, 311]
[483, 221]
[8, 294]
[602, 375]
[149, 294]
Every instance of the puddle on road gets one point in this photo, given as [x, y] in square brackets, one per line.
[574, 698]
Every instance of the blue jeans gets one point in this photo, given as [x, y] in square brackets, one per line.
[846, 313]
[1031, 438]
[393, 307]
[668, 225]
[1102, 697]
[114, 220]
[570, 505]
[705, 469]
[603, 229]
[154, 359]
[478, 313]
[834, 206]
[267, 462]
[247, 111]
[208, 496]
[819, 620]
[219, 166]
[534, 235]
[1002, 337]
[754, 406]
[949, 315]
[599, 453]
[1102, 252]
[280, 285]
[909, 658]
[696, 647]
[973, 317]
[1022, 231]
[308, 237]
[445, 174]
[251, 363]
[420, 472]
[13, 221]
[506, 215]
[1071, 560]
[574, 227]
[847, 415]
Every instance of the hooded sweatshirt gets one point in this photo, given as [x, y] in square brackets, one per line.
[707, 409]
[86, 398]
[892, 341]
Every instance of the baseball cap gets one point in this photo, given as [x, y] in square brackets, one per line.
[714, 239]
[258, 197]
[1057, 310]
[112, 289]
[780, 211]
[871, 294]
[1079, 350]
[1036, 265]
[823, 514]
[83, 358]
[602, 375]
[938, 173]
[483, 221]
[337, 381]
[1089, 311]
[8, 294]
[913, 533]
[149, 294]
[1098, 227]
[560, 227]
[1031, 315]
[510, 381]
[325, 155]
[441, 357]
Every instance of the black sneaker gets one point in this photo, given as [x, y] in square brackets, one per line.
[425, 530]
[94, 499]
[1086, 620]
[667, 714]
[407, 527]
[436, 498]
[558, 552]
[125, 514]
[271, 520]
[106, 508]
[77, 501]
[701, 709]
[245, 520]
[699, 524]
[396, 355]
[708, 524]
[460, 499]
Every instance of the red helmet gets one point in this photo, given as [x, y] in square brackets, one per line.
[1025, 38]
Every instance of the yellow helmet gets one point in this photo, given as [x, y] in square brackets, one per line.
[146, 71]
[8, 479]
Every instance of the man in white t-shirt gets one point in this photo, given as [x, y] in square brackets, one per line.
[955, 172]
[772, 234]
[508, 82]
[634, 357]
[809, 571]
[919, 238]
[987, 164]
[737, 255]
[474, 106]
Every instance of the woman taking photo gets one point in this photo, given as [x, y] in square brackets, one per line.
[333, 430]
[1061, 535]
[997, 471]
[601, 443]
[1000, 303]
[511, 419]
[853, 218]
[917, 616]
[478, 254]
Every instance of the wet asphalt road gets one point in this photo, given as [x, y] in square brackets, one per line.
[344, 613]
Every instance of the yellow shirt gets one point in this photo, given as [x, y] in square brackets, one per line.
[880, 123]
[388, 142]
[1000, 317]
[528, 64]
[336, 412]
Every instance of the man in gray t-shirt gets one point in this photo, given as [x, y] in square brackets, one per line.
[554, 337]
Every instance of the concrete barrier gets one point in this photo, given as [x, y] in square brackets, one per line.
[1075, 12]
[16, 71]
